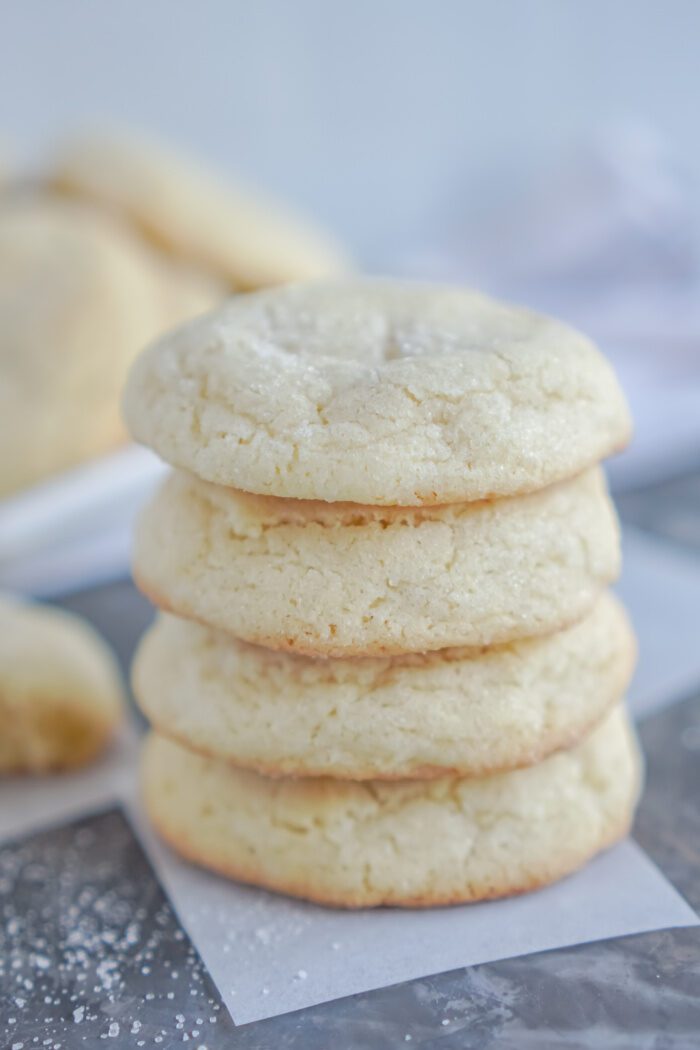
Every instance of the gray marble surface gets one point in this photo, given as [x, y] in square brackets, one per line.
[641, 992]
[90, 948]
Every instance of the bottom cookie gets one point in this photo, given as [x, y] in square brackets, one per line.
[411, 843]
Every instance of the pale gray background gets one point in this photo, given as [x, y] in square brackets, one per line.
[372, 113]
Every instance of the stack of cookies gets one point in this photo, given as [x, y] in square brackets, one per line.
[387, 670]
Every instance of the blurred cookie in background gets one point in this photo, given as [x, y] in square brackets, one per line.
[115, 243]
[80, 295]
[194, 214]
[61, 694]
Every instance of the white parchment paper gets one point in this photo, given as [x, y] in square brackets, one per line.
[270, 954]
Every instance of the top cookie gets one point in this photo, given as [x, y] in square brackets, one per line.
[376, 392]
[195, 215]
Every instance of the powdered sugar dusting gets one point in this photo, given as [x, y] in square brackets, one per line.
[90, 949]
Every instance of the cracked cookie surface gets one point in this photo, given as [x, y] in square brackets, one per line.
[377, 392]
[348, 580]
[466, 712]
